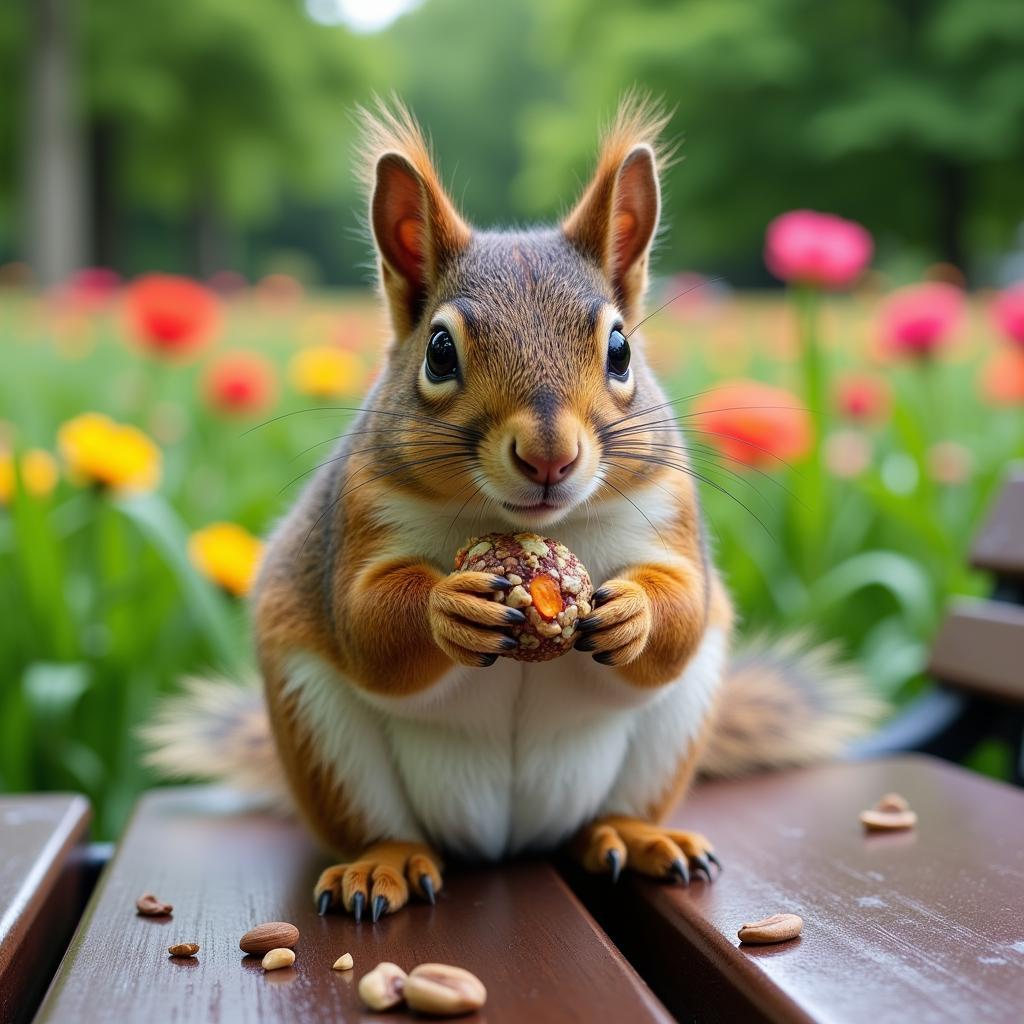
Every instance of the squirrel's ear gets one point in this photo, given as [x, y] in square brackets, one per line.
[416, 229]
[615, 221]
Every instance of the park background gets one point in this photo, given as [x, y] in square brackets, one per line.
[854, 426]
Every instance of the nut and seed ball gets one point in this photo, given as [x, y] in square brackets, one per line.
[550, 586]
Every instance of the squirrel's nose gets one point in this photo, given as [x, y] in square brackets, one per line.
[541, 469]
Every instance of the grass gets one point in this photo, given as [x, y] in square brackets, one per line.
[104, 610]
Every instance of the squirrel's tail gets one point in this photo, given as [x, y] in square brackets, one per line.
[218, 731]
[782, 704]
[785, 703]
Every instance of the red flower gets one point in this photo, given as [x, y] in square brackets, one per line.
[918, 320]
[240, 384]
[755, 424]
[171, 316]
[862, 396]
[817, 248]
[1002, 378]
[1008, 312]
[89, 289]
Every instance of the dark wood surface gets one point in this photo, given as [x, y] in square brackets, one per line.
[519, 928]
[922, 926]
[40, 897]
[999, 545]
[980, 648]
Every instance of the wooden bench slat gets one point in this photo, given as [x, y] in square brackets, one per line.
[519, 928]
[980, 648]
[40, 893]
[999, 546]
[923, 925]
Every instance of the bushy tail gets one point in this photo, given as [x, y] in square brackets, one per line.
[218, 731]
[786, 703]
[783, 704]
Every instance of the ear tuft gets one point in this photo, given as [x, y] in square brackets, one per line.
[415, 225]
[616, 218]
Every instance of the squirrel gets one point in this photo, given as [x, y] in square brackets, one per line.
[514, 393]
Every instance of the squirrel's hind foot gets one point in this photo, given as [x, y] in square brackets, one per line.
[380, 879]
[608, 845]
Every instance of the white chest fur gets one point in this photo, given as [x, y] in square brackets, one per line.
[490, 761]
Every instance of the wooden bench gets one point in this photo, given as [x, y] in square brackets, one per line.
[925, 925]
[519, 928]
[43, 888]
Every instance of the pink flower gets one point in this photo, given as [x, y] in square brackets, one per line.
[817, 248]
[863, 397]
[1008, 312]
[918, 320]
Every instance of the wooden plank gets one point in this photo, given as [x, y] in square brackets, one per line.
[921, 926]
[519, 928]
[999, 546]
[980, 648]
[41, 893]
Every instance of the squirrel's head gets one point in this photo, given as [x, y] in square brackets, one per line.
[512, 351]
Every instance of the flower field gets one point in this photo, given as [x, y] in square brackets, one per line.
[151, 431]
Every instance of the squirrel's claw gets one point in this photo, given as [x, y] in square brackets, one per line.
[614, 860]
[702, 866]
[358, 903]
[380, 907]
[427, 886]
[679, 870]
[323, 904]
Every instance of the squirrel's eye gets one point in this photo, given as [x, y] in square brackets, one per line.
[442, 358]
[618, 354]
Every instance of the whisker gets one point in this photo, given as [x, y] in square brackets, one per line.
[639, 509]
[417, 417]
[692, 288]
[375, 430]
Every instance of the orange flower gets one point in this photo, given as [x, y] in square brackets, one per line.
[239, 384]
[1002, 378]
[754, 423]
[169, 316]
[227, 554]
[38, 470]
[324, 371]
[99, 451]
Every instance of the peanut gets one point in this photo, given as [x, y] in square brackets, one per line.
[343, 963]
[278, 958]
[271, 935]
[184, 949]
[444, 990]
[149, 906]
[777, 928]
[887, 821]
[892, 802]
[383, 987]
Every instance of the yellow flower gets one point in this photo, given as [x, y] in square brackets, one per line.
[327, 372]
[97, 450]
[227, 554]
[38, 474]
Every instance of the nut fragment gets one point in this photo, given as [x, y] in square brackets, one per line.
[271, 935]
[892, 802]
[444, 990]
[383, 987]
[887, 821]
[777, 928]
[184, 949]
[278, 958]
[149, 906]
[343, 963]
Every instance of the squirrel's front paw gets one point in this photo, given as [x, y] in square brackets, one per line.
[467, 624]
[619, 629]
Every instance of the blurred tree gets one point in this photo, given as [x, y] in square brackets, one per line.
[210, 110]
[907, 115]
